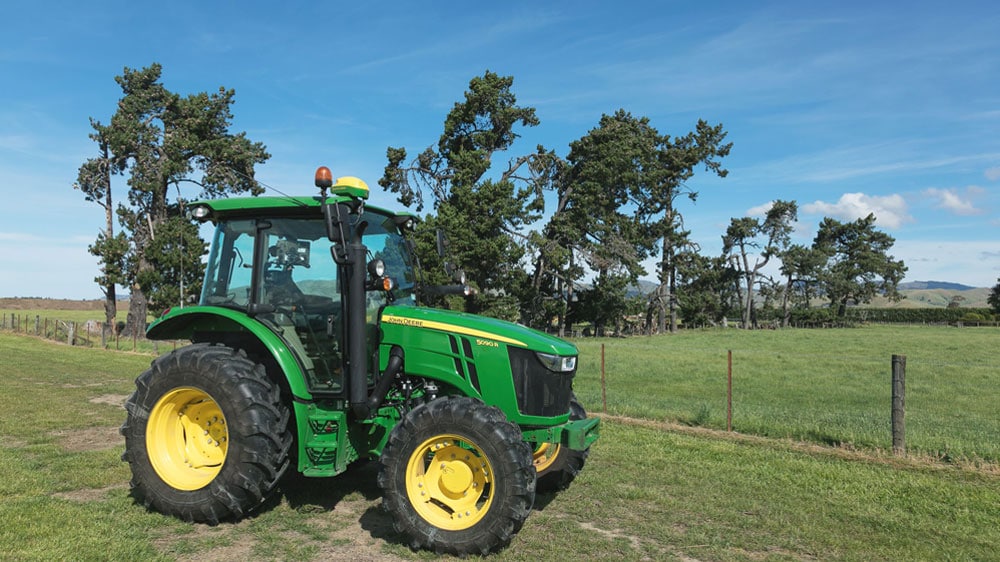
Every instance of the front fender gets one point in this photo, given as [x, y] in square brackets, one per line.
[183, 323]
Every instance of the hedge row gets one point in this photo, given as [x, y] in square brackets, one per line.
[816, 316]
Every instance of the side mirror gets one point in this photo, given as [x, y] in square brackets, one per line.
[457, 274]
[440, 243]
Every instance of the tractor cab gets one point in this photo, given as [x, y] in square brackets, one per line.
[278, 267]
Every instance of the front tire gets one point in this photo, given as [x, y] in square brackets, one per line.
[557, 466]
[206, 435]
[457, 477]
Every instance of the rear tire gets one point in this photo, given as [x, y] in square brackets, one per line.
[457, 477]
[206, 435]
[557, 466]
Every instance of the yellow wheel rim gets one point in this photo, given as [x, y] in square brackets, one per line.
[186, 438]
[450, 482]
[545, 454]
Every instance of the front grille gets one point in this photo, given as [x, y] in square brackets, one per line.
[540, 392]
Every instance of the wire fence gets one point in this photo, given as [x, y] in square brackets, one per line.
[943, 409]
[88, 333]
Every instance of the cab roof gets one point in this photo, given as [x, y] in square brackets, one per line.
[257, 205]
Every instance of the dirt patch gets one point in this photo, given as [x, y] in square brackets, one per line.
[88, 494]
[110, 399]
[613, 534]
[11, 442]
[364, 537]
[89, 439]
[239, 551]
[349, 538]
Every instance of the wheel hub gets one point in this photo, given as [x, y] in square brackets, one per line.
[449, 482]
[456, 478]
[187, 438]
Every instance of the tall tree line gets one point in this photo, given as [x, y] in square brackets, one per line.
[550, 240]
[547, 240]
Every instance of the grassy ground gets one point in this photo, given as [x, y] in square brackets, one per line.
[67, 315]
[826, 386]
[650, 491]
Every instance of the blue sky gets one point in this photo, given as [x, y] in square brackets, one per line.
[846, 107]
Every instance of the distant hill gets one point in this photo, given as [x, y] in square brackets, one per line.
[50, 304]
[934, 298]
[919, 294]
[921, 285]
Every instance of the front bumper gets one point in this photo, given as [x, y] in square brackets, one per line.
[577, 434]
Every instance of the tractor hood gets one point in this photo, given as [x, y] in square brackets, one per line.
[480, 327]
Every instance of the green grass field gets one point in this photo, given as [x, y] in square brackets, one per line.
[827, 386]
[650, 491]
[28, 315]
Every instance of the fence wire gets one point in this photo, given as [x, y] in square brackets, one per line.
[830, 398]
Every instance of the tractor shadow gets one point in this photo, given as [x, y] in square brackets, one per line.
[325, 494]
[314, 494]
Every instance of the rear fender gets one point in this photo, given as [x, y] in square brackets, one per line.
[184, 323]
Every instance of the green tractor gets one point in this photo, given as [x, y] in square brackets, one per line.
[309, 361]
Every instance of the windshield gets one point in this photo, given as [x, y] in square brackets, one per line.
[297, 262]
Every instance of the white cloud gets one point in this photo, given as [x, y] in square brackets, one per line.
[951, 200]
[17, 237]
[992, 174]
[49, 266]
[890, 211]
[760, 210]
[970, 262]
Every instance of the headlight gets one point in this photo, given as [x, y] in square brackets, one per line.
[376, 268]
[557, 363]
[199, 213]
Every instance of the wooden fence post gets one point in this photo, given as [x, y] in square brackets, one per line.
[729, 393]
[70, 332]
[604, 388]
[37, 321]
[899, 404]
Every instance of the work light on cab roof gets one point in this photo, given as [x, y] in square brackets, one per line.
[346, 185]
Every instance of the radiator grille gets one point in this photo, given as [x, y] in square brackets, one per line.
[540, 392]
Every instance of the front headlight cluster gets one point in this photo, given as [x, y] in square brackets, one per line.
[557, 363]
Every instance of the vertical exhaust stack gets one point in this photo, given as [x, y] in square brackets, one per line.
[351, 256]
[357, 329]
